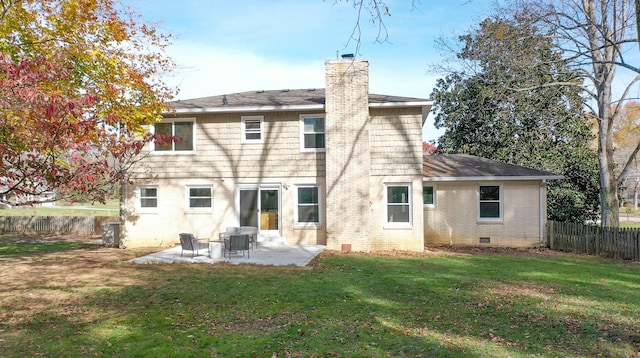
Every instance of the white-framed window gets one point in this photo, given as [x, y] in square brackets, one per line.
[182, 129]
[490, 202]
[308, 204]
[312, 133]
[200, 196]
[252, 129]
[148, 196]
[429, 196]
[398, 204]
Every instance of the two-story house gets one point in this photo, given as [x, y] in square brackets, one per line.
[336, 166]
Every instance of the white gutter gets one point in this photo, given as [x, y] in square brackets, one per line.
[493, 178]
[288, 108]
[247, 109]
[401, 104]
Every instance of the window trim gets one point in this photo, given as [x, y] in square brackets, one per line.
[188, 196]
[173, 151]
[243, 129]
[302, 132]
[500, 202]
[387, 223]
[140, 197]
[431, 205]
[296, 221]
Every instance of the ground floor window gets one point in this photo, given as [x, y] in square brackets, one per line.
[308, 204]
[490, 202]
[398, 203]
[200, 197]
[428, 195]
[149, 197]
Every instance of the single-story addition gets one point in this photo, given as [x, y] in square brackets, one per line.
[476, 201]
[336, 166]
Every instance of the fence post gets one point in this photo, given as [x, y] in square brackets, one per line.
[585, 233]
[598, 233]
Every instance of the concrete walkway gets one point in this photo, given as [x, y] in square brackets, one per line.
[267, 253]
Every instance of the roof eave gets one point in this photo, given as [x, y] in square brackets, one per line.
[284, 108]
[495, 178]
[290, 108]
[401, 104]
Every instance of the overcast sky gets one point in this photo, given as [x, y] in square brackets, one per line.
[228, 46]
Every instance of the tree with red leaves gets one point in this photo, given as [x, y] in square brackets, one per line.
[78, 84]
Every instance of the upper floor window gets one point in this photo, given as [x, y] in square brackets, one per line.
[149, 197]
[312, 133]
[252, 129]
[429, 195]
[398, 203]
[490, 202]
[308, 204]
[200, 197]
[182, 130]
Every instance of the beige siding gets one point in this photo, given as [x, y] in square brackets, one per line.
[396, 141]
[386, 237]
[221, 159]
[396, 157]
[454, 219]
[160, 227]
[220, 152]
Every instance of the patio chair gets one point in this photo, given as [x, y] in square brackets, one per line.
[237, 243]
[231, 230]
[190, 243]
[252, 231]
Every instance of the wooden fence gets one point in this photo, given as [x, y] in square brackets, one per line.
[54, 225]
[620, 243]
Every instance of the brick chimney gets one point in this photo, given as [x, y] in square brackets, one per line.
[348, 164]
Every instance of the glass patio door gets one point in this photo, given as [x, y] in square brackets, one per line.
[259, 206]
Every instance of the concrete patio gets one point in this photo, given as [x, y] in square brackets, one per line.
[267, 253]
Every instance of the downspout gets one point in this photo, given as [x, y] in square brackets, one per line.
[542, 205]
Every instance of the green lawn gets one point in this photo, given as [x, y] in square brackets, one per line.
[630, 224]
[41, 247]
[110, 208]
[345, 305]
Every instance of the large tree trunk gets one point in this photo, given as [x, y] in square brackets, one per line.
[603, 59]
[637, 8]
[608, 183]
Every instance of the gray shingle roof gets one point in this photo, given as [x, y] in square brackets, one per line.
[439, 167]
[278, 99]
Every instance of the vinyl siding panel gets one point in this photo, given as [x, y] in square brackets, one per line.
[396, 141]
[220, 153]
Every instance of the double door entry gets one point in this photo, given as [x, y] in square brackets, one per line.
[259, 206]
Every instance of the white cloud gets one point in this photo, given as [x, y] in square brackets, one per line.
[208, 71]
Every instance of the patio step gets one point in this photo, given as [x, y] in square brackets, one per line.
[272, 240]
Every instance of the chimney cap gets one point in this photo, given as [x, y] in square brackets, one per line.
[348, 56]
